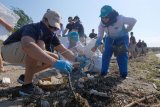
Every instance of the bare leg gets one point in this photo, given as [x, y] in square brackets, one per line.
[32, 67]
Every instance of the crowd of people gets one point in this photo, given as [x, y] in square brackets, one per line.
[34, 44]
[136, 49]
[75, 25]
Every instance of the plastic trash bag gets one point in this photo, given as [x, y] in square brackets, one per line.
[64, 41]
[95, 56]
[86, 50]
[10, 18]
[97, 63]
[8, 15]
[89, 46]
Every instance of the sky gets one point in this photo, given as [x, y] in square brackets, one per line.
[146, 12]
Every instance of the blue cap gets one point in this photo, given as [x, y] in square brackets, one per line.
[105, 10]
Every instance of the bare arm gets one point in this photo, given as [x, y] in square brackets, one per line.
[65, 52]
[34, 51]
[64, 32]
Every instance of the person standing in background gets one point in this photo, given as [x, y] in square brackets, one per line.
[92, 34]
[78, 25]
[69, 26]
[139, 48]
[144, 48]
[132, 46]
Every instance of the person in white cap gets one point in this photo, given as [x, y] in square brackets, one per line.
[27, 46]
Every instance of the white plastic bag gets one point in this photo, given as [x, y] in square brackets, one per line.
[86, 50]
[3, 32]
[97, 63]
[8, 15]
[64, 41]
[80, 48]
[88, 47]
[10, 18]
[95, 56]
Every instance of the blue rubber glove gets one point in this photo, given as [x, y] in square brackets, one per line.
[80, 59]
[63, 66]
[98, 42]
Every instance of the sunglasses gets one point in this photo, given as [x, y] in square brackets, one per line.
[51, 27]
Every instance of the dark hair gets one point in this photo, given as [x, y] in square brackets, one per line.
[131, 33]
[112, 18]
[48, 10]
[70, 17]
[76, 17]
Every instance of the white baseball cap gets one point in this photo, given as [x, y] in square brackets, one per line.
[53, 18]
